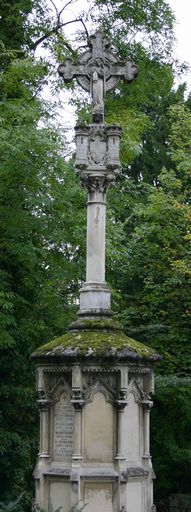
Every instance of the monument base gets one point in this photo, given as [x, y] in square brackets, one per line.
[95, 299]
[94, 386]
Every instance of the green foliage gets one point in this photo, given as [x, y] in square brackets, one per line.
[40, 200]
[149, 20]
[171, 444]
[49, 508]
[75, 508]
[13, 22]
[12, 505]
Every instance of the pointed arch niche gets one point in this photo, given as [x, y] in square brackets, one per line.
[98, 426]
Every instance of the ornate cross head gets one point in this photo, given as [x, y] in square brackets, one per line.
[98, 71]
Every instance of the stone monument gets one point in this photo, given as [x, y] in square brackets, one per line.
[94, 382]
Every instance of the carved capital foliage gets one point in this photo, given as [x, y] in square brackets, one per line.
[95, 183]
[133, 472]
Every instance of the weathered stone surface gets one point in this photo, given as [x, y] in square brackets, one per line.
[63, 428]
[97, 154]
[98, 496]
[98, 430]
[60, 493]
[97, 72]
[97, 163]
[109, 448]
[92, 344]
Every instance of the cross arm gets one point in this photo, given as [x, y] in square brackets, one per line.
[127, 71]
[67, 70]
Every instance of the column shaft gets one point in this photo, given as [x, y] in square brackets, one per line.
[77, 449]
[44, 428]
[95, 252]
[120, 440]
[146, 431]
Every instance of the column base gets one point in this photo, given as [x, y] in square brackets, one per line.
[44, 455]
[95, 299]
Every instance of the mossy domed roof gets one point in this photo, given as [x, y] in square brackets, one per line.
[92, 339]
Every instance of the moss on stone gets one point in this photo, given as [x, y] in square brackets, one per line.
[94, 343]
[95, 324]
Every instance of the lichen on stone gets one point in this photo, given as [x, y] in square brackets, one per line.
[95, 343]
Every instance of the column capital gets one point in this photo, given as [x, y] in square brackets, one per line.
[146, 404]
[97, 183]
[77, 400]
[43, 404]
[121, 404]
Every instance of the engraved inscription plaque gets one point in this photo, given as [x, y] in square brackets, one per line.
[63, 428]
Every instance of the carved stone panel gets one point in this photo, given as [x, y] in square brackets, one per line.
[98, 430]
[98, 496]
[63, 428]
[109, 380]
[135, 497]
[97, 151]
[60, 494]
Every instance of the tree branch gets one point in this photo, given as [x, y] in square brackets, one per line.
[66, 5]
[57, 13]
[55, 31]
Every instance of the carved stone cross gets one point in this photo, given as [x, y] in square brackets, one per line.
[98, 71]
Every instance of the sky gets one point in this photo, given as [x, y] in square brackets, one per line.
[182, 9]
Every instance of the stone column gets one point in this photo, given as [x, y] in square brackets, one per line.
[120, 410]
[121, 404]
[44, 428]
[95, 294]
[77, 402]
[147, 404]
[95, 250]
[77, 447]
[97, 163]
